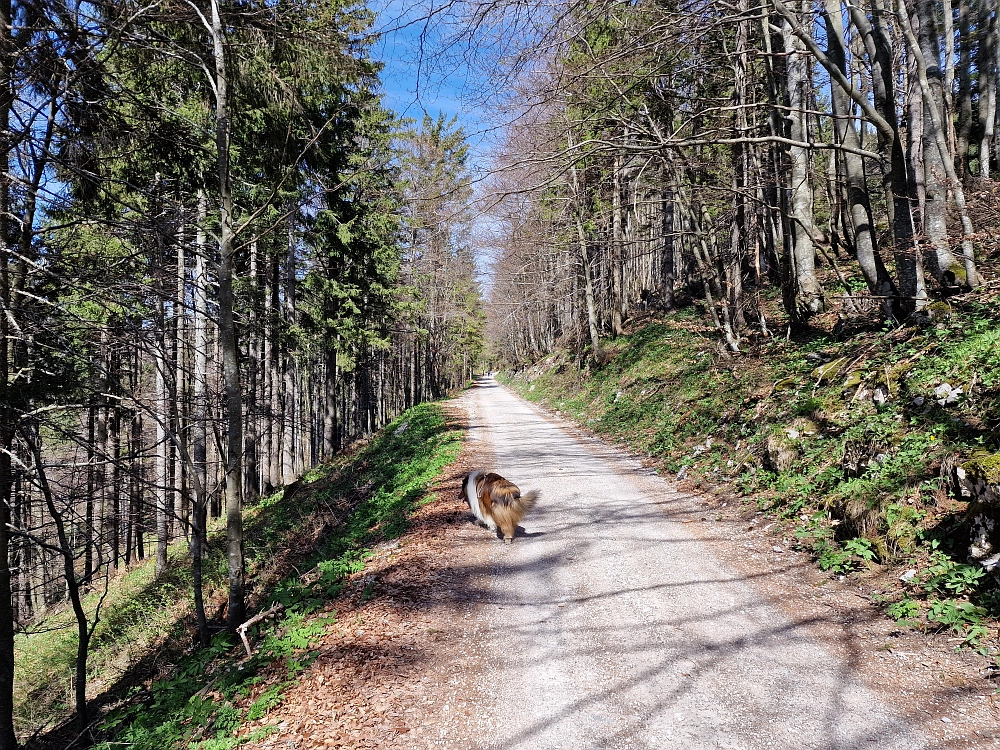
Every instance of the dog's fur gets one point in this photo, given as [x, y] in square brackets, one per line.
[496, 502]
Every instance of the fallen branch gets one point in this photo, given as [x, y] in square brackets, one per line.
[242, 629]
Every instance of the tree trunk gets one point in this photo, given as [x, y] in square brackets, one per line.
[808, 295]
[161, 479]
[227, 336]
[964, 129]
[290, 407]
[199, 395]
[987, 83]
[667, 259]
[617, 248]
[83, 631]
[923, 48]
[859, 209]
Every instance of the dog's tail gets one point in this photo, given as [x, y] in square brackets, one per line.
[528, 500]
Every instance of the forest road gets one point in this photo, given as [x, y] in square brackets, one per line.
[608, 624]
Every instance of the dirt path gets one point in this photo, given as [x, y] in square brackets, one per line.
[625, 615]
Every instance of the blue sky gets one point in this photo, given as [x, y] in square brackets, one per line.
[417, 79]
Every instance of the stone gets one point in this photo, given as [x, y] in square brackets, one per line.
[830, 370]
[786, 384]
[780, 452]
[946, 395]
[980, 476]
[939, 311]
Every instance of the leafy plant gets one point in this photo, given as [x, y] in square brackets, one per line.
[831, 558]
[945, 575]
[860, 547]
[964, 618]
[904, 610]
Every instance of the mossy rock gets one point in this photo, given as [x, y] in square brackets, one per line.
[980, 477]
[830, 370]
[895, 374]
[954, 275]
[802, 427]
[780, 453]
[940, 311]
[985, 467]
[852, 381]
[786, 385]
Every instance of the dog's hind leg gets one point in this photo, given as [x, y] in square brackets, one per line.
[506, 518]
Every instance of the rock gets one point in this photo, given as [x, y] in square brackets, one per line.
[786, 384]
[860, 456]
[804, 427]
[990, 562]
[981, 478]
[954, 275]
[946, 395]
[939, 311]
[779, 452]
[919, 401]
[830, 370]
[853, 380]
[908, 575]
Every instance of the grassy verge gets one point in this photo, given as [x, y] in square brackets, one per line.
[841, 437]
[301, 545]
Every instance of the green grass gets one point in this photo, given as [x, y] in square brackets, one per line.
[668, 393]
[327, 527]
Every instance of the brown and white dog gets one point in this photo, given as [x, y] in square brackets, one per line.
[496, 502]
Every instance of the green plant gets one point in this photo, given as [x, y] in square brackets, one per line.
[400, 463]
[904, 610]
[832, 558]
[266, 701]
[947, 576]
[863, 548]
[963, 618]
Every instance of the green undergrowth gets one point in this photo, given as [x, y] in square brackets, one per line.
[302, 543]
[781, 426]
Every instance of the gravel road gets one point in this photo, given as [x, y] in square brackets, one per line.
[609, 624]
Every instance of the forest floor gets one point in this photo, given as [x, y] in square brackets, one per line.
[421, 657]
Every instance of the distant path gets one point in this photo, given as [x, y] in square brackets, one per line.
[610, 625]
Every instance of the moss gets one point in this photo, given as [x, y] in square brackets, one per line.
[938, 311]
[829, 370]
[986, 467]
[786, 384]
[853, 380]
[955, 274]
[802, 427]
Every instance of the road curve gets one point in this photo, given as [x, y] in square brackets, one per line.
[609, 625]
